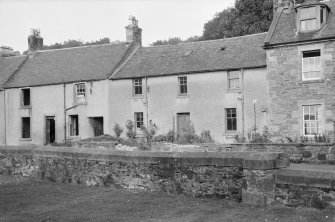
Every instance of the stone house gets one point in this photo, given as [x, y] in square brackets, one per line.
[300, 52]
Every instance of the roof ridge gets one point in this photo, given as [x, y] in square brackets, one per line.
[211, 40]
[84, 46]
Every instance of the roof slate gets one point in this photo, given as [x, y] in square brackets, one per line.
[283, 30]
[8, 65]
[203, 56]
[69, 65]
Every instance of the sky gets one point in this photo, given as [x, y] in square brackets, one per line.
[88, 20]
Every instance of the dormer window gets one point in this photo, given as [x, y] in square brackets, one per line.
[308, 19]
[311, 18]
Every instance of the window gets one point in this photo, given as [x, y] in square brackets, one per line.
[182, 85]
[74, 125]
[80, 93]
[308, 19]
[138, 120]
[231, 119]
[25, 97]
[311, 65]
[137, 87]
[312, 118]
[234, 80]
[25, 127]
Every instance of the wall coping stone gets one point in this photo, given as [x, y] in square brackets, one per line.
[323, 177]
[246, 160]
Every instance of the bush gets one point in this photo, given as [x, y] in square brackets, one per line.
[149, 132]
[130, 129]
[257, 137]
[206, 137]
[170, 136]
[118, 130]
[188, 136]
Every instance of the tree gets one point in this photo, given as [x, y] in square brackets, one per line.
[247, 17]
[73, 43]
[176, 40]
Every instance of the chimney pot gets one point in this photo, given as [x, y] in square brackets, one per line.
[133, 32]
[35, 41]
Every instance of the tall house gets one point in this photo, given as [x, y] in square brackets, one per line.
[300, 49]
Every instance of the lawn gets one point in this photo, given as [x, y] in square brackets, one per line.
[26, 199]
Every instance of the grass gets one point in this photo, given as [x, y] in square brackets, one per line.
[26, 199]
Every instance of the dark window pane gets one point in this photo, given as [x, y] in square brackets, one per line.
[26, 127]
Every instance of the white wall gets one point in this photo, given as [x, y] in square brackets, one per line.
[208, 97]
[49, 101]
[2, 118]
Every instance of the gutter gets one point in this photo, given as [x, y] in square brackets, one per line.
[270, 46]
[189, 72]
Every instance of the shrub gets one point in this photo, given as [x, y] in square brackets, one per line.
[130, 129]
[206, 137]
[239, 139]
[149, 132]
[188, 136]
[170, 136]
[118, 130]
[257, 137]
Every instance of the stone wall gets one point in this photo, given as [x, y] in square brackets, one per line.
[205, 174]
[306, 186]
[297, 153]
[288, 93]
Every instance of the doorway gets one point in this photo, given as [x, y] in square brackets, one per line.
[98, 126]
[183, 122]
[50, 131]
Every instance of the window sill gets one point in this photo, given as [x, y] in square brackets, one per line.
[230, 133]
[79, 103]
[311, 81]
[183, 96]
[233, 91]
[25, 107]
[25, 139]
[137, 97]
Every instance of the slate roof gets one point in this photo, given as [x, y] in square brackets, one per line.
[69, 65]
[203, 56]
[8, 65]
[283, 27]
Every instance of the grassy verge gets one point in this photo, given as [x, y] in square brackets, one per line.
[25, 199]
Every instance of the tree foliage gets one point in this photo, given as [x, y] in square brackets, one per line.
[176, 40]
[75, 43]
[247, 17]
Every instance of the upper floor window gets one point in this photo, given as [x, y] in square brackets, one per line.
[308, 19]
[80, 93]
[234, 80]
[312, 120]
[311, 65]
[137, 87]
[25, 97]
[182, 81]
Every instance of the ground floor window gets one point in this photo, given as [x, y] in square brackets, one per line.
[25, 127]
[74, 125]
[138, 120]
[231, 122]
[312, 118]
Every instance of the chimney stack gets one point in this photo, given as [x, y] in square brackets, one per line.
[133, 32]
[281, 4]
[35, 41]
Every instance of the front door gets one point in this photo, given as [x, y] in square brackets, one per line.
[50, 132]
[183, 122]
[98, 126]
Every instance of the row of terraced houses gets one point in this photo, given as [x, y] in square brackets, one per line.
[283, 79]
